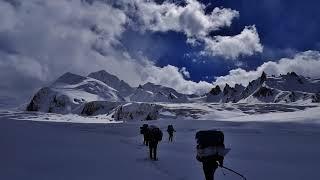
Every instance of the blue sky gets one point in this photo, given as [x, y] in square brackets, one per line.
[188, 45]
[285, 28]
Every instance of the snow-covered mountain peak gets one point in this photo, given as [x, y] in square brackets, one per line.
[113, 81]
[69, 78]
[70, 92]
[158, 88]
[150, 92]
[104, 76]
[289, 87]
[150, 86]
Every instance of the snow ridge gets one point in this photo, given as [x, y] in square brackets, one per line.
[286, 88]
[103, 93]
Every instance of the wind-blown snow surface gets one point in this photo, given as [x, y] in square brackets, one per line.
[261, 149]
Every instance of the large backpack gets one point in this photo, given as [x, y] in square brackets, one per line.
[170, 128]
[210, 146]
[143, 128]
[210, 138]
[156, 133]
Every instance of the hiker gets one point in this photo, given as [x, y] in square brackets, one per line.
[210, 151]
[143, 131]
[170, 131]
[155, 135]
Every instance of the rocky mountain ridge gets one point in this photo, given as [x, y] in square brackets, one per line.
[103, 93]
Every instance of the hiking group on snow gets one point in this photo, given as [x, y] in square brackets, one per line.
[210, 147]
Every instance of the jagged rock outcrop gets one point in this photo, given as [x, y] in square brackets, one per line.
[263, 92]
[150, 92]
[284, 88]
[137, 111]
[39, 99]
[103, 93]
[215, 91]
[263, 77]
[99, 107]
[48, 100]
[316, 98]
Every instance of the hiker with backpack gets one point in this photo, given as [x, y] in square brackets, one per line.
[210, 151]
[170, 131]
[143, 131]
[155, 135]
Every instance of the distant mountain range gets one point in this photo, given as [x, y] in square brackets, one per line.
[102, 91]
[270, 89]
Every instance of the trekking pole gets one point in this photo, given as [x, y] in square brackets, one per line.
[234, 172]
[223, 172]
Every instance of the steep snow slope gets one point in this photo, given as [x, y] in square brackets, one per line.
[113, 81]
[150, 92]
[69, 91]
[285, 88]
[293, 82]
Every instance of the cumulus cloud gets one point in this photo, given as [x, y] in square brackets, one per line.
[192, 20]
[185, 72]
[40, 40]
[305, 63]
[231, 47]
[171, 77]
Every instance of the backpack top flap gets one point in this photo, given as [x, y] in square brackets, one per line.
[156, 133]
[210, 138]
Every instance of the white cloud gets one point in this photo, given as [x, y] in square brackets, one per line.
[40, 40]
[190, 19]
[171, 77]
[196, 25]
[7, 16]
[185, 72]
[231, 47]
[305, 63]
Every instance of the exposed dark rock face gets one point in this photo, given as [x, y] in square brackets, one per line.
[292, 96]
[90, 108]
[141, 111]
[293, 74]
[227, 89]
[35, 103]
[172, 96]
[263, 92]
[316, 98]
[215, 91]
[47, 100]
[263, 77]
